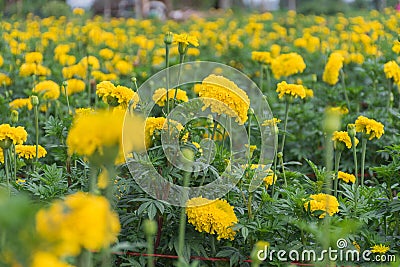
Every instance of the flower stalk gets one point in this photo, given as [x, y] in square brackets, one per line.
[363, 151]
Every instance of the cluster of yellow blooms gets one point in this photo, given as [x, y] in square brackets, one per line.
[74, 86]
[79, 221]
[212, 216]
[21, 103]
[392, 71]
[332, 68]
[346, 177]
[224, 97]
[262, 57]
[160, 96]
[117, 95]
[8, 134]
[370, 127]
[342, 137]
[322, 202]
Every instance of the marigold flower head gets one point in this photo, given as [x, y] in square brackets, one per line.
[159, 123]
[396, 47]
[332, 68]
[16, 135]
[295, 90]
[185, 39]
[322, 202]
[74, 86]
[342, 137]
[212, 216]
[92, 61]
[49, 89]
[338, 110]
[392, 70]
[28, 69]
[78, 11]
[287, 64]
[346, 177]
[160, 96]
[116, 95]
[271, 122]
[91, 134]
[262, 57]
[34, 57]
[370, 127]
[21, 103]
[123, 67]
[80, 221]
[382, 249]
[224, 97]
[29, 152]
[106, 53]
[4, 79]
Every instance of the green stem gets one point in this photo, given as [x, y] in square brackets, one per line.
[280, 156]
[150, 251]
[66, 96]
[248, 138]
[261, 76]
[181, 58]
[363, 151]
[353, 146]
[328, 162]
[85, 259]
[167, 73]
[209, 150]
[285, 125]
[274, 174]
[249, 208]
[268, 79]
[36, 111]
[15, 162]
[389, 94]
[93, 179]
[345, 89]
[213, 249]
[5, 152]
[338, 153]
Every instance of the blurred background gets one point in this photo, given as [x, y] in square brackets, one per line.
[183, 9]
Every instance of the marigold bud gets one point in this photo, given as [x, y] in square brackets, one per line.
[169, 36]
[34, 100]
[351, 130]
[14, 116]
[150, 227]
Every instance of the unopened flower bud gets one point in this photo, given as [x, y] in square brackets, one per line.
[34, 100]
[314, 77]
[168, 38]
[150, 227]
[14, 116]
[351, 129]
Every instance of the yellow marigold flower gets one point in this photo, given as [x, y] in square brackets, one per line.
[29, 152]
[116, 95]
[197, 88]
[94, 132]
[192, 51]
[262, 57]
[343, 138]
[322, 202]
[92, 61]
[16, 135]
[34, 57]
[396, 47]
[28, 69]
[49, 89]
[74, 70]
[101, 77]
[106, 53]
[370, 127]
[4, 79]
[224, 97]
[212, 216]
[21, 103]
[309, 92]
[269, 180]
[123, 67]
[338, 110]
[74, 86]
[287, 64]
[67, 60]
[346, 177]
[1, 61]
[186, 39]
[159, 123]
[392, 70]
[46, 259]
[382, 249]
[357, 246]
[271, 122]
[332, 68]
[160, 96]
[295, 90]
[78, 11]
[80, 221]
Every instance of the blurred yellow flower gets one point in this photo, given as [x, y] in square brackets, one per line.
[78, 11]
[21, 103]
[262, 57]
[332, 68]
[46, 259]
[287, 64]
[74, 86]
[4, 79]
[160, 123]
[34, 57]
[48, 89]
